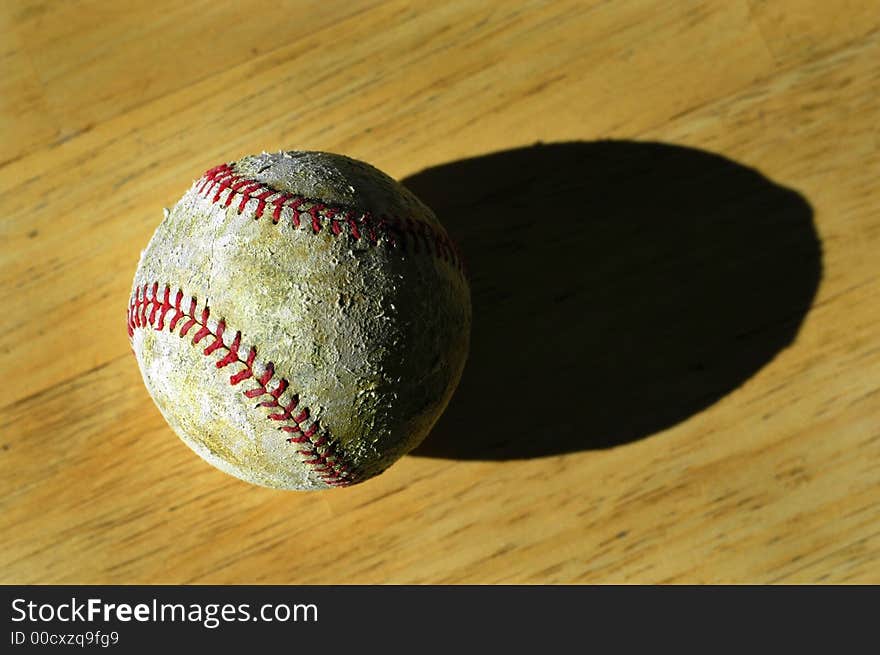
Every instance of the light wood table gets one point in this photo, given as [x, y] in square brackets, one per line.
[675, 372]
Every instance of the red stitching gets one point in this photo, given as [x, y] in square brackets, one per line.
[397, 233]
[320, 451]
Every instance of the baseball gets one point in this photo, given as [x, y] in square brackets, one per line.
[300, 319]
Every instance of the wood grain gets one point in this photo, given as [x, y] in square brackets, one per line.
[108, 111]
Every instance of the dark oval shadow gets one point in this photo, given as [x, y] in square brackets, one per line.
[618, 288]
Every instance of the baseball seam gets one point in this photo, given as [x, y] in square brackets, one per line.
[319, 450]
[222, 185]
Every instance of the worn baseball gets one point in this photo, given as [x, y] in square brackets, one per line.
[300, 319]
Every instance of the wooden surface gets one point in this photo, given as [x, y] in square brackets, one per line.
[676, 365]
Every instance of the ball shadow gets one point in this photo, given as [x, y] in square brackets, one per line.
[618, 288]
